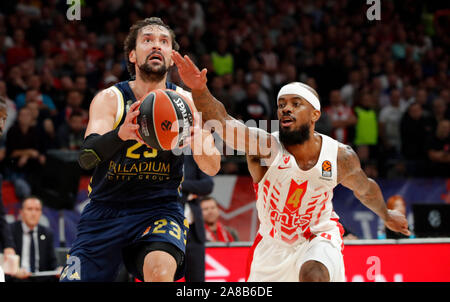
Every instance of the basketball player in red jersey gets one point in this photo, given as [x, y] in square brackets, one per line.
[134, 214]
[294, 172]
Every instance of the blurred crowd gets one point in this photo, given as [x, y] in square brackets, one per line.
[383, 85]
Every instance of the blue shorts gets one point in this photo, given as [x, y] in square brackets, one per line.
[110, 233]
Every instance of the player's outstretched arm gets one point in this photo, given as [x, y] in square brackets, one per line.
[253, 141]
[367, 190]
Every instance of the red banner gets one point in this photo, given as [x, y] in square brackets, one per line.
[426, 262]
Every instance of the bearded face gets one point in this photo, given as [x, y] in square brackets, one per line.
[152, 55]
[295, 136]
[153, 69]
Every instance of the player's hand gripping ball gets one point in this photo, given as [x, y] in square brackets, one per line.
[165, 119]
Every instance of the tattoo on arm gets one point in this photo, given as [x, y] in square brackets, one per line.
[209, 106]
[354, 178]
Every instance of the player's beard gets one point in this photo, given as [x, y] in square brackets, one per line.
[152, 74]
[296, 136]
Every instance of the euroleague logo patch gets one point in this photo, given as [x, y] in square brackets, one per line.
[326, 168]
[166, 125]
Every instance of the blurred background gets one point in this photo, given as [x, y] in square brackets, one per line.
[383, 85]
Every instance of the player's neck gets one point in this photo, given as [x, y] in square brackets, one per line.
[212, 226]
[141, 87]
[307, 151]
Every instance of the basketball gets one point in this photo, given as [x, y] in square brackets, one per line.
[165, 119]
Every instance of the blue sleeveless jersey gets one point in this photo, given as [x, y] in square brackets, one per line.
[136, 172]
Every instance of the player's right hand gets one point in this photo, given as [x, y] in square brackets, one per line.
[129, 129]
[397, 222]
[189, 72]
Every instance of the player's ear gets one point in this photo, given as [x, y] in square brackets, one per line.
[132, 56]
[315, 116]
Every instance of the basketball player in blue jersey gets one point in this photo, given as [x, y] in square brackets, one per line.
[134, 213]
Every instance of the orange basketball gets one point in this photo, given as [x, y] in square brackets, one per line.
[165, 119]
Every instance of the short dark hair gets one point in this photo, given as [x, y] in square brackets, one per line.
[208, 198]
[31, 197]
[130, 40]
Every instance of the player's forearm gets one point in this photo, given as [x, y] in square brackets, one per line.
[209, 164]
[209, 106]
[372, 198]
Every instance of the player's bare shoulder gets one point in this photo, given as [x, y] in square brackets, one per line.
[106, 99]
[347, 161]
[103, 111]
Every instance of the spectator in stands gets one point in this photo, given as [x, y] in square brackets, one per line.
[408, 94]
[80, 84]
[33, 242]
[215, 230]
[34, 93]
[222, 59]
[414, 129]
[389, 124]
[366, 128]
[65, 85]
[422, 99]
[438, 149]
[24, 153]
[21, 51]
[269, 58]
[217, 87]
[439, 111]
[349, 90]
[342, 118]
[70, 135]
[74, 102]
[15, 81]
[252, 107]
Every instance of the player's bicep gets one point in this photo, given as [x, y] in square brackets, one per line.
[350, 173]
[102, 113]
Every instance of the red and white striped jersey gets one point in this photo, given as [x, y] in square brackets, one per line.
[295, 205]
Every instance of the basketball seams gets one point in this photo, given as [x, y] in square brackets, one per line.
[152, 98]
[163, 122]
[163, 142]
[177, 112]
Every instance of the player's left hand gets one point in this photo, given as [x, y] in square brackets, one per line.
[397, 222]
[189, 72]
